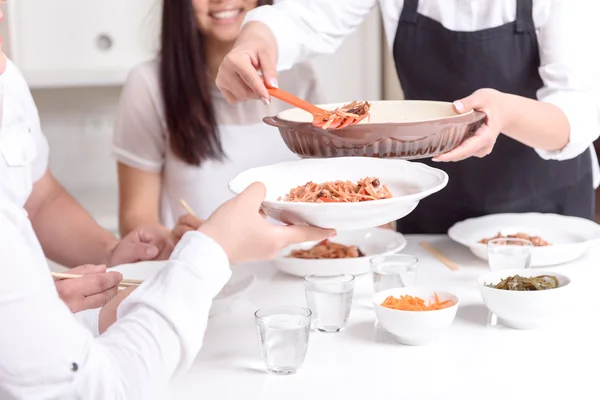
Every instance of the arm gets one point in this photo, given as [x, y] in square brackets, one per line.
[140, 144]
[570, 70]
[144, 349]
[565, 119]
[305, 28]
[67, 233]
[139, 198]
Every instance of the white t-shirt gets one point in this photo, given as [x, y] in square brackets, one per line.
[141, 140]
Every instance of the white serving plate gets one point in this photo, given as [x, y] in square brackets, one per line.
[570, 236]
[372, 242]
[238, 283]
[526, 309]
[409, 182]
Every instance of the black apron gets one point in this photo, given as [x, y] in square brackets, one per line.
[435, 63]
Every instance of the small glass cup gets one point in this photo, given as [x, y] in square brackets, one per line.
[509, 253]
[283, 333]
[329, 297]
[394, 271]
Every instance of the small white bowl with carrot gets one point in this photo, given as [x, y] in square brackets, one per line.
[415, 316]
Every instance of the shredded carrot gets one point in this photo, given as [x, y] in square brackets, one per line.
[410, 303]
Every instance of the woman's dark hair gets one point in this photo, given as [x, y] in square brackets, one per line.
[186, 86]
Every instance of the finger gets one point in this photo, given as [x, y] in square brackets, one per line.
[190, 220]
[478, 100]
[469, 147]
[88, 269]
[180, 230]
[100, 299]
[98, 283]
[250, 76]
[252, 196]
[268, 62]
[262, 213]
[155, 242]
[299, 234]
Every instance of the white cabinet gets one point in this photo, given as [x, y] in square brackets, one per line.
[81, 42]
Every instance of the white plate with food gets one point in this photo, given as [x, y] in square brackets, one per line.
[346, 193]
[557, 239]
[239, 282]
[348, 253]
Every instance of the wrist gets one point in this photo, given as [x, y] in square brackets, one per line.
[109, 246]
[508, 111]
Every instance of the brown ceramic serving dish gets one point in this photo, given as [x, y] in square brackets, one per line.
[407, 129]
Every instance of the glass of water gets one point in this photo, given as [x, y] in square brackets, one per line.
[394, 271]
[509, 253]
[329, 297]
[283, 334]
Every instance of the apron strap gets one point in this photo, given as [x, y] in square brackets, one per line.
[409, 11]
[524, 21]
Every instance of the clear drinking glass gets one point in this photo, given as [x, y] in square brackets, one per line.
[509, 253]
[283, 334]
[394, 271]
[329, 297]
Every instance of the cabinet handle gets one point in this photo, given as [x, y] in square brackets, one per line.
[104, 42]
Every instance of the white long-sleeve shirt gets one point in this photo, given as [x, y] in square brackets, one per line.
[45, 353]
[24, 150]
[566, 30]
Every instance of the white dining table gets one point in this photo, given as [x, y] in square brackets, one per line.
[470, 360]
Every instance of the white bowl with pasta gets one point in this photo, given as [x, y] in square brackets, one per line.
[407, 182]
[329, 258]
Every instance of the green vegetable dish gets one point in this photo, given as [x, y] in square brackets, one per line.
[519, 283]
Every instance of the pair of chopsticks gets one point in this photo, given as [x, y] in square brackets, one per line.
[437, 254]
[123, 283]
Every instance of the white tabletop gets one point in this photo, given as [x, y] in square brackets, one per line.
[470, 361]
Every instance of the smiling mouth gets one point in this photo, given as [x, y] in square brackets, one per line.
[225, 15]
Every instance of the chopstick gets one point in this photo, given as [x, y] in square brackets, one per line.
[186, 206]
[437, 254]
[123, 283]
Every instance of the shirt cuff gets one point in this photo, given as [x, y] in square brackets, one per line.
[196, 248]
[278, 22]
[89, 319]
[583, 113]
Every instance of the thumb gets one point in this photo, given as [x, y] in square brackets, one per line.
[299, 234]
[144, 251]
[268, 65]
[253, 195]
[88, 269]
[472, 102]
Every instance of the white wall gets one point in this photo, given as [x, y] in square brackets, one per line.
[78, 121]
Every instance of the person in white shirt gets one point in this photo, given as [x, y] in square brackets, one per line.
[176, 137]
[46, 353]
[525, 63]
[67, 233]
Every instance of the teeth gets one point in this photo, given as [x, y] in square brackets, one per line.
[226, 14]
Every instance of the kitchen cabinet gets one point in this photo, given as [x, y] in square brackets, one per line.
[64, 43]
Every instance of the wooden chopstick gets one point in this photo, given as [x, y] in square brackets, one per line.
[124, 282]
[437, 254]
[187, 207]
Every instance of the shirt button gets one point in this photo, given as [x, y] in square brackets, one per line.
[74, 367]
